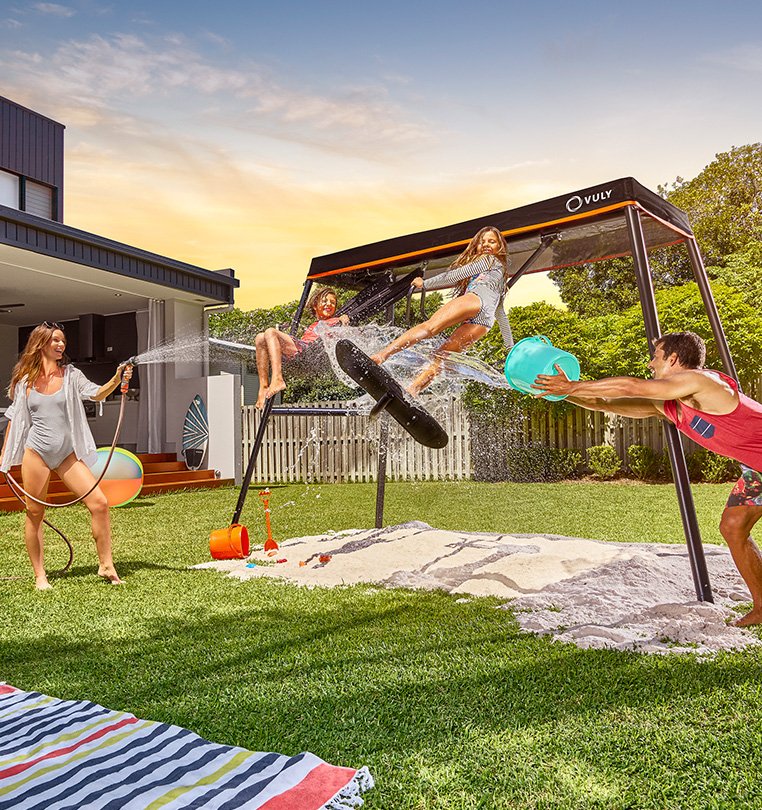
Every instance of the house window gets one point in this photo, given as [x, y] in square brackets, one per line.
[9, 189]
[38, 199]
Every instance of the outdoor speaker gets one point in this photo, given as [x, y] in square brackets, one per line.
[91, 333]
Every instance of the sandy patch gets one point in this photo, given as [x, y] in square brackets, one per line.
[634, 596]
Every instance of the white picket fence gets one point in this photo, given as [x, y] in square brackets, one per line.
[345, 448]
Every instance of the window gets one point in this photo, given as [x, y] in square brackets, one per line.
[38, 199]
[9, 189]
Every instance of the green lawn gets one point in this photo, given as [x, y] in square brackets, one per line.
[448, 704]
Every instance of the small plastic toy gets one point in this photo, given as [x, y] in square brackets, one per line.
[271, 547]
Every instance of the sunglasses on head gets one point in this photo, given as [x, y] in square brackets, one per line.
[52, 325]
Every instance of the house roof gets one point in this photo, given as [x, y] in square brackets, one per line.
[590, 224]
[66, 265]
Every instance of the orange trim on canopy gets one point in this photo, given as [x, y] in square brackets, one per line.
[511, 232]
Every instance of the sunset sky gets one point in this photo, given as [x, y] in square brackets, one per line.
[256, 135]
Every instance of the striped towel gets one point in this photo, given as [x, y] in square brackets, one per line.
[72, 754]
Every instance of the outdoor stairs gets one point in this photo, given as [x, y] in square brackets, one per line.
[162, 472]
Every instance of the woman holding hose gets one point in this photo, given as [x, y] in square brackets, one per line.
[48, 431]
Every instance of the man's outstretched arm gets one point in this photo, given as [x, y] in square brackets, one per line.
[634, 408]
[684, 384]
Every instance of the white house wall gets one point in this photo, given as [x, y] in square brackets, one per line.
[222, 397]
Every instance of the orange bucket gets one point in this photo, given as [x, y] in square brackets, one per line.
[231, 543]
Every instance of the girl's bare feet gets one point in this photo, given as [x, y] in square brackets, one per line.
[42, 584]
[275, 387]
[109, 573]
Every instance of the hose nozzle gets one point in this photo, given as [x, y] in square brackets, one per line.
[126, 383]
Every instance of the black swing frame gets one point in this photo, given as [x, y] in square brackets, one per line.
[613, 219]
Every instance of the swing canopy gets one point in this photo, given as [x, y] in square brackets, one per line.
[584, 226]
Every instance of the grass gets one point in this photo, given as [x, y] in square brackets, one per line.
[448, 704]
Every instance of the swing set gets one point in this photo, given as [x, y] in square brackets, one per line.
[609, 220]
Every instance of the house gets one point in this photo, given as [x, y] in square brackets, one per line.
[114, 301]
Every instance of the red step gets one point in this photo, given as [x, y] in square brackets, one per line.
[162, 472]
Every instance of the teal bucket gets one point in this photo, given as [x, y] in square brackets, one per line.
[537, 355]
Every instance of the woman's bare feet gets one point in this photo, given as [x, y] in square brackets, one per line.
[109, 573]
[42, 584]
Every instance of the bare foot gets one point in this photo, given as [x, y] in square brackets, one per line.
[109, 573]
[754, 616]
[276, 386]
[377, 359]
[260, 403]
[42, 584]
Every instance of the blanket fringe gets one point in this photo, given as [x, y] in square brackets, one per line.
[349, 796]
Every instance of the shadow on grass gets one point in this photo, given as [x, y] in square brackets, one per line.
[273, 663]
[429, 693]
[124, 567]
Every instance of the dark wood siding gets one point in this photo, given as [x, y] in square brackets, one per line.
[31, 145]
[21, 230]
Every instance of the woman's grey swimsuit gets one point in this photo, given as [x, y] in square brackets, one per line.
[488, 284]
[50, 434]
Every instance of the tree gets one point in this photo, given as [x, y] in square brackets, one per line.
[724, 202]
[743, 272]
[595, 287]
[724, 207]
[239, 326]
[615, 344]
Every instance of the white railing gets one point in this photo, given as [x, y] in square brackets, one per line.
[345, 448]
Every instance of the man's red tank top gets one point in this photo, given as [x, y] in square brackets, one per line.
[737, 435]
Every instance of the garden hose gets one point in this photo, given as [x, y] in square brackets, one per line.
[16, 488]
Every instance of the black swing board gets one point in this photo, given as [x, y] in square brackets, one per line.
[377, 381]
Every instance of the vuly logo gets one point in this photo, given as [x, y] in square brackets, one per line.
[576, 202]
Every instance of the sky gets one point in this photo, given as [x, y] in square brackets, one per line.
[256, 135]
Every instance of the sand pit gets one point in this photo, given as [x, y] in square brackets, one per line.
[627, 596]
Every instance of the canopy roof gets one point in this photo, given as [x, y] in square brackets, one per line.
[590, 225]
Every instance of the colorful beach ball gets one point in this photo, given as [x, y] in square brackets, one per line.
[124, 477]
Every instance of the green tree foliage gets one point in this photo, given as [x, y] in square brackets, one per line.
[680, 309]
[592, 288]
[742, 271]
[615, 344]
[242, 327]
[724, 202]
[724, 206]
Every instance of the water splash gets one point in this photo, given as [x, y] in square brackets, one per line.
[184, 348]
[457, 369]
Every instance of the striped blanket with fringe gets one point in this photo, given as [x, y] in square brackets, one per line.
[70, 755]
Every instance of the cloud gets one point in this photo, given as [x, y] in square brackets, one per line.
[10, 23]
[106, 74]
[54, 9]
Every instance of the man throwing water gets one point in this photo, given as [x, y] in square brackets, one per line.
[708, 408]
